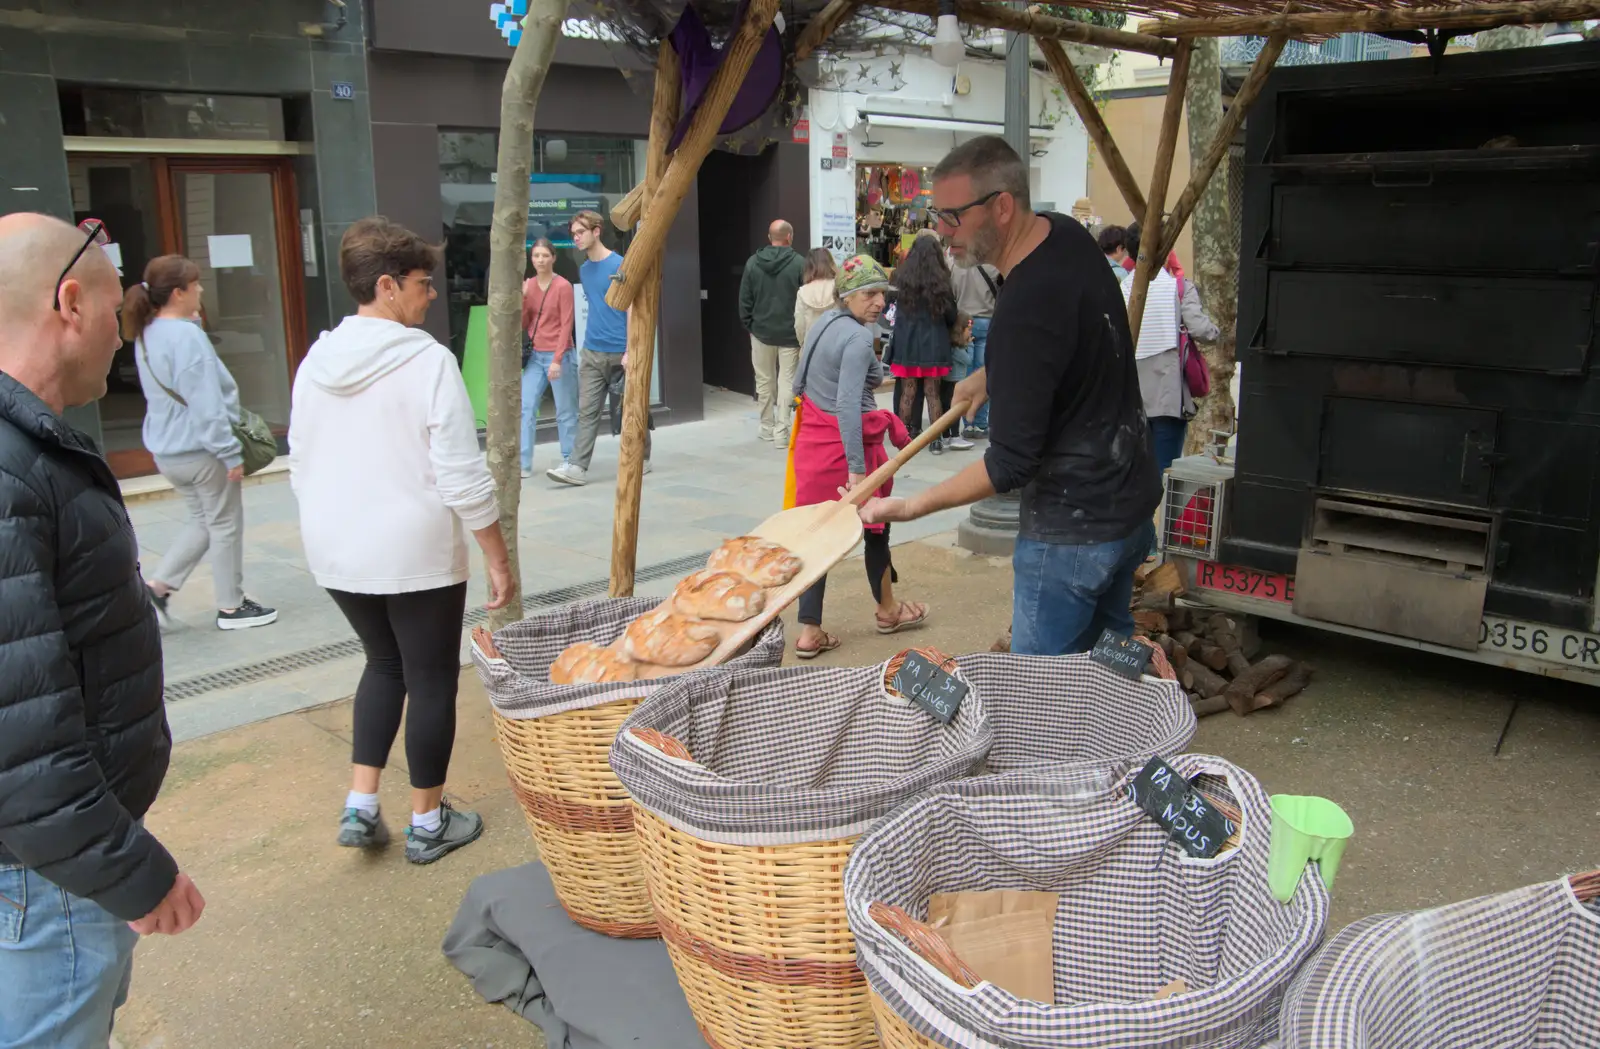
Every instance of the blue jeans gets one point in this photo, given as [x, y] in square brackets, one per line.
[1166, 434]
[65, 965]
[535, 377]
[980, 344]
[1064, 596]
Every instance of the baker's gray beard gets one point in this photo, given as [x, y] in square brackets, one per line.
[985, 247]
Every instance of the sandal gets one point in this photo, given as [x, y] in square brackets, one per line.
[827, 644]
[900, 621]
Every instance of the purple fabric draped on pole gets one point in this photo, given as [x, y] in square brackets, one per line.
[699, 59]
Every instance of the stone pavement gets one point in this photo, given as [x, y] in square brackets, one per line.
[712, 479]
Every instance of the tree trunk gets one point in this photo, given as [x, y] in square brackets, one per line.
[1216, 259]
[530, 63]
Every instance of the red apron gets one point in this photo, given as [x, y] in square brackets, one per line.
[816, 453]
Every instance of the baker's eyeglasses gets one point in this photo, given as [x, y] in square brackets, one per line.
[952, 216]
[96, 231]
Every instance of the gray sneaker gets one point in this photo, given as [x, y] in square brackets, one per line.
[455, 830]
[568, 473]
[359, 831]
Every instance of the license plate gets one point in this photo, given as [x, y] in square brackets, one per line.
[1246, 582]
[1549, 643]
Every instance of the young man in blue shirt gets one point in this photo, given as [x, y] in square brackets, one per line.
[604, 350]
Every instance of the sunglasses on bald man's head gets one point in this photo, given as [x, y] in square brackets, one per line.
[97, 235]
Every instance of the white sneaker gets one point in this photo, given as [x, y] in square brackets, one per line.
[568, 473]
[958, 444]
[527, 471]
[647, 466]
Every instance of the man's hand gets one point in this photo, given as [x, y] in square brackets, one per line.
[236, 473]
[502, 588]
[624, 360]
[180, 910]
[974, 389]
[555, 370]
[877, 511]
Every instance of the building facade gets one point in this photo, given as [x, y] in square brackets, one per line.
[237, 134]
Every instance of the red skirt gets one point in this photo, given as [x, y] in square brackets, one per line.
[820, 468]
[919, 371]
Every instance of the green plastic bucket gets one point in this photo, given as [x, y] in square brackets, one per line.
[1305, 829]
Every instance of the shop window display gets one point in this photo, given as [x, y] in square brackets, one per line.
[892, 202]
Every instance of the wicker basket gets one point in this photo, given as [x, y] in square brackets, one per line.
[1133, 914]
[751, 789]
[1055, 711]
[1515, 970]
[555, 741]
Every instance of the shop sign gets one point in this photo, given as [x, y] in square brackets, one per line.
[841, 152]
[802, 131]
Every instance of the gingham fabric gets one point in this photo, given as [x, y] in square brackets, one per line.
[519, 682]
[1067, 710]
[1520, 970]
[790, 755]
[1135, 912]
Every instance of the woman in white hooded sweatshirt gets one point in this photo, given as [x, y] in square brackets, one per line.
[384, 460]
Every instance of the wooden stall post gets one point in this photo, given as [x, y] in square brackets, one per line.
[662, 208]
[664, 108]
[1150, 235]
[1202, 171]
[1078, 93]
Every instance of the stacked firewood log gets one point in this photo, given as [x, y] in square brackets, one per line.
[1213, 655]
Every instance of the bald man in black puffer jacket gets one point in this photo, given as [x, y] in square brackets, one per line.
[84, 742]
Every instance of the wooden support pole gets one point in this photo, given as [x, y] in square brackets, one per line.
[1201, 172]
[1083, 102]
[664, 202]
[820, 28]
[1150, 238]
[1039, 26]
[625, 212]
[642, 319]
[1460, 16]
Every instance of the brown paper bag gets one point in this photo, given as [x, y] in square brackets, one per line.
[1005, 935]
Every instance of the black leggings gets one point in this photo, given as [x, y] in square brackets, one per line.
[878, 562]
[413, 647]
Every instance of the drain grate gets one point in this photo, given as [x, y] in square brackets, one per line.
[276, 666]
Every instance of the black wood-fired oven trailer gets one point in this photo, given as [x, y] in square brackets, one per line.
[1419, 444]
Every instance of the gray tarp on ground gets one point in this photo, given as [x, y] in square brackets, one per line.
[584, 990]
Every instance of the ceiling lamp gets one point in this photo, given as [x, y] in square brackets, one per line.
[948, 47]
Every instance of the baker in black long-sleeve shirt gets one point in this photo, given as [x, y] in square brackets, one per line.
[1068, 426]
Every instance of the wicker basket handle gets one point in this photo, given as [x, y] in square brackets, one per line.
[939, 659]
[1158, 659]
[662, 742]
[927, 944]
[1586, 887]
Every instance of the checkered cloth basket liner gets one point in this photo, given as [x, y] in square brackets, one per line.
[1063, 710]
[791, 755]
[519, 683]
[1135, 912]
[1520, 970]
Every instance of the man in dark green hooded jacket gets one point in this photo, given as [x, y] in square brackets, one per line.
[766, 309]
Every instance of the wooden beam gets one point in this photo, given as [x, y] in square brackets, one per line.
[1094, 123]
[1201, 173]
[1150, 238]
[625, 212]
[664, 108]
[662, 209]
[820, 28]
[1039, 26]
[1466, 16]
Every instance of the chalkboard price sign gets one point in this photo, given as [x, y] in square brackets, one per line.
[925, 684]
[1122, 654]
[1162, 792]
